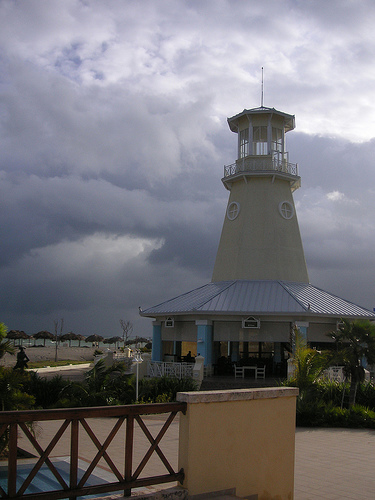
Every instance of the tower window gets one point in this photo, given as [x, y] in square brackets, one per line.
[250, 322]
[244, 143]
[260, 146]
[277, 139]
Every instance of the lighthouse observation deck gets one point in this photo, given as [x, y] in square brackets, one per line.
[264, 165]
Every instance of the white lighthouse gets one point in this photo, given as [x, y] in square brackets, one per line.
[260, 290]
[260, 237]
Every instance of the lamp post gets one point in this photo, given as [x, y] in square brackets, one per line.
[137, 358]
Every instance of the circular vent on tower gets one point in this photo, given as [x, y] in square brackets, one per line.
[286, 209]
[233, 210]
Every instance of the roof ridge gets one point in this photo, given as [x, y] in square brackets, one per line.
[284, 284]
[230, 283]
[174, 298]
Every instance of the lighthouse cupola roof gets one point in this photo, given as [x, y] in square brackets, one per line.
[287, 120]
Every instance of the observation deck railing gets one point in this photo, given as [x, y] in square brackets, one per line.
[14, 424]
[262, 164]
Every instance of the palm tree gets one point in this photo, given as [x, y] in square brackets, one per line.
[354, 341]
[308, 363]
[5, 345]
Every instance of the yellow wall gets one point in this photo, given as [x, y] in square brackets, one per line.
[240, 439]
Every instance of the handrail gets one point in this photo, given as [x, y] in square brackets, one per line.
[260, 163]
[170, 369]
[14, 422]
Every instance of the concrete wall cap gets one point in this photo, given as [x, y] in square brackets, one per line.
[236, 395]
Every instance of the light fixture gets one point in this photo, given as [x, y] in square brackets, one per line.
[137, 358]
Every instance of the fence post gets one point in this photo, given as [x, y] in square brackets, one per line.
[129, 451]
[12, 460]
[74, 454]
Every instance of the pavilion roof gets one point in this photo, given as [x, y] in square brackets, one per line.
[260, 297]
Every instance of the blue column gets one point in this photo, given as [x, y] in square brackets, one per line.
[277, 352]
[235, 351]
[157, 345]
[204, 340]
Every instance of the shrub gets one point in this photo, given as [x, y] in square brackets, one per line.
[319, 405]
[13, 396]
[366, 395]
[46, 392]
[152, 388]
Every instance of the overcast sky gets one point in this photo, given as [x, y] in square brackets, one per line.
[113, 137]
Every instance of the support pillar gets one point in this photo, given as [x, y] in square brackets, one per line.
[204, 340]
[235, 351]
[302, 327]
[177, 349]
[277, 352]
[157, 344]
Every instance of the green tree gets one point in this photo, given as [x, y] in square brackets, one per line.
[5, 344]
[110, 385]
[308, 363]
[354, 341]
[12, 397]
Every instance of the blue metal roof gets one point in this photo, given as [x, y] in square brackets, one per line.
[261, 297]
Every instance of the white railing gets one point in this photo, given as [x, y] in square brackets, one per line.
[265, 163]
[334, 373]
[120, 356]
[177, 370]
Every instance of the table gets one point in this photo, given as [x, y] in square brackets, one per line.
[240, 370]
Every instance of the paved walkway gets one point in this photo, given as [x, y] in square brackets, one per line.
[335, 464]
[330, 463]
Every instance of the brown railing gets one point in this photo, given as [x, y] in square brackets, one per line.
[14, 423]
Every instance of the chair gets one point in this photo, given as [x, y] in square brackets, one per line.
[260, 372]
[239, 371]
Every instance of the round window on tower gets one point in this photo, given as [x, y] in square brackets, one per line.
[233, 210]
[286, 209]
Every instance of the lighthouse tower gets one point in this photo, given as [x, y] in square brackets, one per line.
[260, 239]
[260, 289]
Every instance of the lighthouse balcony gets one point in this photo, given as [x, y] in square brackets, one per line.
[260, 165]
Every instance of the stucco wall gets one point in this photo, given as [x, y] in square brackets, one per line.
[240, 439]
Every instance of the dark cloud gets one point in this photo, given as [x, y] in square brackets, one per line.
[113, 138]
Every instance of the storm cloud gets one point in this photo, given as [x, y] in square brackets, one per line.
[113, 138]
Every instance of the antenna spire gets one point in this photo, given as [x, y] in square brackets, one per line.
[261, 101]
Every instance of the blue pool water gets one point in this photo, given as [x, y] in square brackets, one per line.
[45, 480]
